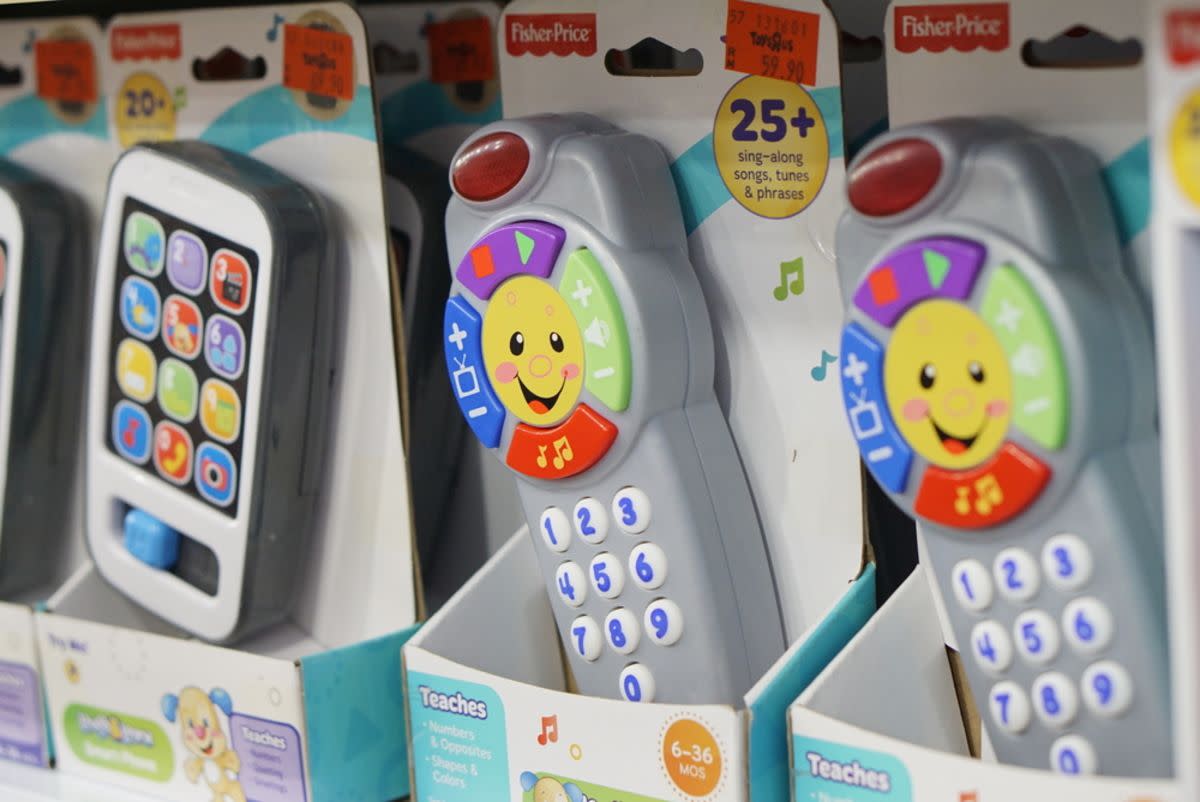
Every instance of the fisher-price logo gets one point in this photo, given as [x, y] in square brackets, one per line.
[138, 42]
[1183, 36]
[542, 34]
[965, 27]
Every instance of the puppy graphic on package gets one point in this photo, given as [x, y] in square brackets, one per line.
[200, 725]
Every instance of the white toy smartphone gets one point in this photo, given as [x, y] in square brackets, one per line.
[210, 373]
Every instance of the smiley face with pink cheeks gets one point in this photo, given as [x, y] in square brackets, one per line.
[948, 384]
[533, 351]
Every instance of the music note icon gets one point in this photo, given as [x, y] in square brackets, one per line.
[562, 452]
[273, 33]
[796, 287]
[818, 373]
[549, 733]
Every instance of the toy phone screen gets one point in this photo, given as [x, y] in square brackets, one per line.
[181, 334]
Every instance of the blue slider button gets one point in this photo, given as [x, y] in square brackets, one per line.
[883, 449]
[150, 540]
[468, 376]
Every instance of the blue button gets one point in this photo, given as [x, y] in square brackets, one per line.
[150, 540]
[140, 307]
[131, 432]
[216, 474]
[464, 359]
[885, 452]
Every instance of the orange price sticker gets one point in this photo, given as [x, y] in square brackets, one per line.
[66, 71]
[461, 50]
[318, 62]
[772, 42]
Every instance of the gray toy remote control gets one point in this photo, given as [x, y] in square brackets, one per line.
[579, 347]
[43, 292]
[209, 393]
[997, 369]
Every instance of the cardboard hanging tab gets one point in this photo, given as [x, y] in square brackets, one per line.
[318, 62]
[460, 50]
[66, 70]
[773, 42]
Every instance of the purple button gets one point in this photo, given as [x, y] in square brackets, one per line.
[526, 247]
[937, 267]
[224, 347]
[187, 259]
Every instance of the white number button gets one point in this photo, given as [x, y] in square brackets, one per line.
[1055, 700]
[586, 639]
[637, 683]
[1072, 754]
[1016, 575]
[1088, 625]
[648, 565]
[608, 577]
[1107, 689]
[572, 584]
[1037, 638]
[591, 521]
[556, 529]
[973, 586]
[631, 509]
[664, 622]
[992, 647]
[622, 630]
[1067, 561]
[1010, 707]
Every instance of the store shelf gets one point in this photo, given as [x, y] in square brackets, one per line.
[23, 784]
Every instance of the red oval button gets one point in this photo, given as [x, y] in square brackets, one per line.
[894, 177]
[984, 496]
[490, 167]
[569, 448]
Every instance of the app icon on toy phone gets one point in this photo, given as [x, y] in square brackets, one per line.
[172, 452]
[181, 326]
[224, 347]
[139, 307]
[177, 390]
[187, 261]
[136, 368]
[131, 432]
[220, 411]
[144, 240]
[216, 474]
[230, 281]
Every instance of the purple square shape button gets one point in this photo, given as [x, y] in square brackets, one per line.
[943, 267]
[187, 259]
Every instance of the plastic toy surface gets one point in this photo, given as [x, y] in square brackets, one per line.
[43, 292]
[209, 394]
[997, 371]
[580, 349]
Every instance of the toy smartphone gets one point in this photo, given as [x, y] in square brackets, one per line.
[210, 373]
[417, 193]
[43, 289]
[997, 370]
[579, 348]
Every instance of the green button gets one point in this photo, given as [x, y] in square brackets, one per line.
[1020, 323]
[605, 340]
[177, 390]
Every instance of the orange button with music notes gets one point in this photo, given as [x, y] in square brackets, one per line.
[987, 495]
[572, 447]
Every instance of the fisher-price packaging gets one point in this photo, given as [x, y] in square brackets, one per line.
[52, 122]
[306, 709]
[1072, 70]
[744, 100]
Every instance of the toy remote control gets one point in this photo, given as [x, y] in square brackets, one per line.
[580, 349]
[997, 369]
[210, 373]
[43, 289]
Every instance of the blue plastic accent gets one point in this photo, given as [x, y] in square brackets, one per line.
[150, 540]
[1128, 182]
[354, 715]
[29, 117]
[769, 769]
[461, 337]
[273, 114]
[886, 453]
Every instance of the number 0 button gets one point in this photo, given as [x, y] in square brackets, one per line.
[1016, 575]
[664, 622]
[648, 565]
[591, 521]
[631, 509]
[586, 639]
[1072, 754]
[556, 529]
[637, 683]
[572, 584]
